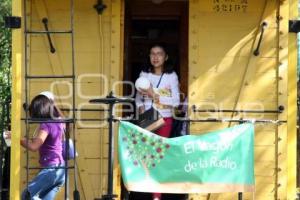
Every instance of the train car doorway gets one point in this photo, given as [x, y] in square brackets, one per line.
[149, 22]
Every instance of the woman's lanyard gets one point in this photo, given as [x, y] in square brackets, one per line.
[159, 80]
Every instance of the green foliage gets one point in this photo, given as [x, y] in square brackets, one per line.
[5, 64]
[5, 52]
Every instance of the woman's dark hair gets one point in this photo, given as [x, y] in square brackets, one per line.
[168, 66]
[42, 107]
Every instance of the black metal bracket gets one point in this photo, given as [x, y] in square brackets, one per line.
[294, 26]
[280, 110]
[12, 22]
[100, 7]
[263, 27]
[110, 100]
[45, 22]
[240, 196]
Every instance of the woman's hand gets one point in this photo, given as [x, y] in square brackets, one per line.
[150, 93]
[141, 109]
[156, 98]
[7, 138]
[7, 135]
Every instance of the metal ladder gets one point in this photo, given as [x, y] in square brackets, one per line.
[28, 77]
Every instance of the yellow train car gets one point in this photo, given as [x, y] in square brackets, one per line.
[230, 55]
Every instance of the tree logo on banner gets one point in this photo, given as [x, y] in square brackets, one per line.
[147, 151]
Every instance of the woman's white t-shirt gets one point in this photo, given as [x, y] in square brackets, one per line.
[168, 91]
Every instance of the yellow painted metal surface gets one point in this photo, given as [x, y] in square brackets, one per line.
[292, 108]
[224, 74]
[98, 65]
[17, 63]
[281, 178]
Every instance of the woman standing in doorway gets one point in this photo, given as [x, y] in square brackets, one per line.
[164, 93]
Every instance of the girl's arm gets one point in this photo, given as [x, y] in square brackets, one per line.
[35, 143]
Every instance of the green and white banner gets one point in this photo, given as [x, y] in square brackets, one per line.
[216, 162]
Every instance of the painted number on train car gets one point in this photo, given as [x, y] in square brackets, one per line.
[230, 5]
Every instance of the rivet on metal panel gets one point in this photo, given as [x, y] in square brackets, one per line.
[194, 107]
[278, 185]
[280, 78]
[281, 32]
[100, 7]
[279, 93]
[194, 62]
[279, 169]
[280, 108]
[280, 47]
[246, 84]
[279, 139]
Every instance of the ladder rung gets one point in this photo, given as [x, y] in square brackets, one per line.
[105, 119]
[36, 121]
[91, 120]
[58, 167]
[84, 109]
[45, 32]
[39, 120]
[49, 76]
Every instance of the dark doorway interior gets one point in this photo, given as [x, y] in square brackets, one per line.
[147, 23]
